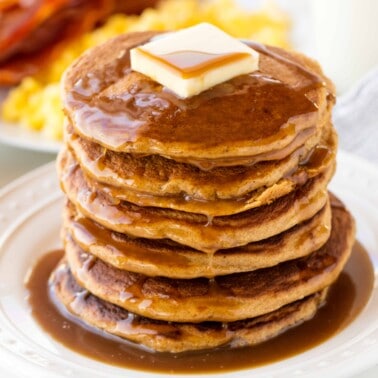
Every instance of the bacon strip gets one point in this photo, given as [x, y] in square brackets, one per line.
[33, 32]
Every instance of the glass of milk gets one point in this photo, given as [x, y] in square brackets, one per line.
[346, 38]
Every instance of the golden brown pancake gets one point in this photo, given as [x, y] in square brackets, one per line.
[172, 336]
[230, 124]
[167, 258]
[320, 159]
[223, 298]
[199, 222]
[154, 175]
[195, 230]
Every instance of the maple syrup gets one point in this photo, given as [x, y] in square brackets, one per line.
[347, 297]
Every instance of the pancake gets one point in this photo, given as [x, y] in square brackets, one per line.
[318, 160]
[167, 258]
[171, 336]
[223, 298]
[245, 117]
[156, 175]
[195, 230]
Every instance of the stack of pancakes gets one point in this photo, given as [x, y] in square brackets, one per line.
[200, 222]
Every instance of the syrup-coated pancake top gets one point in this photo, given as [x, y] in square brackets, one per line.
[108, 102]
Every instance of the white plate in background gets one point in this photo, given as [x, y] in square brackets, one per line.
[17, 136]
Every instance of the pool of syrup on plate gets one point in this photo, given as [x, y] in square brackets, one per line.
[346, 299]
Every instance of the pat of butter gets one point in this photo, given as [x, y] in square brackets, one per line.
[192, 60]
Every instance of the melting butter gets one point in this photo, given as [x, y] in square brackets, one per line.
[194, 59]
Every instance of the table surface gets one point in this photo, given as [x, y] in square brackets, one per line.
[14, 162]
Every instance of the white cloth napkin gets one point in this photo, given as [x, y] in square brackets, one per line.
[356, 118]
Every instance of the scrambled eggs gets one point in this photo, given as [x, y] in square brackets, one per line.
[35, 103]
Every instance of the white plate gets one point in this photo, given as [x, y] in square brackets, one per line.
[29, 225]
[15, 135]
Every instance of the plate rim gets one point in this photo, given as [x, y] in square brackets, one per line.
[16, 136]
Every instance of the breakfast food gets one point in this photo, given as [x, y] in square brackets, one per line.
[203, 221]
[32, 33]
[35, 103]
